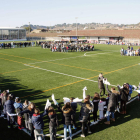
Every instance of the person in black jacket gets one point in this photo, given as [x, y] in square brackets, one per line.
[4, 45]
[0, 103]
[95, 101]
[68, 119]
[30, 111]
[84, 114]
[124, 98]
[74, 107]
[113, 96]
[9, 108]
[53, 123]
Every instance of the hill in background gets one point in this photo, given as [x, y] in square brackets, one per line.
[85, 26]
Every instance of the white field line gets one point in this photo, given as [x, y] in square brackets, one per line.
[94, 54]
[56, 59]
[61, 73]
[64, 74]
[56, 135]
[68, 58]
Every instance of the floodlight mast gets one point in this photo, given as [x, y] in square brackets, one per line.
[76, 31]
[29, 26]
[76, 25]
[29, 30]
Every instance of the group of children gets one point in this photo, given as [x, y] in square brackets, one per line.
[130, 52]
[34, 120]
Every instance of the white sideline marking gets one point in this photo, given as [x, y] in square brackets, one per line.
[95, 53]
[61, 73]
[65, 74]
[68, 58]
[25, 130]
[132, 100]
[56, 135]
[56, 59]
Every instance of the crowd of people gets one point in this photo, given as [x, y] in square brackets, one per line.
[15, 44]
[13, 108]
[65, 46]
[130, 51]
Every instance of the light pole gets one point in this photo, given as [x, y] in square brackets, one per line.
[76, 25]
[29, 30]
[29, 26]
[76, 32]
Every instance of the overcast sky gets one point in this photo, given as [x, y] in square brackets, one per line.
[50, 12]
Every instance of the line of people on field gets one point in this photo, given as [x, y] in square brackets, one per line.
[89, 105]
[19, 44]
[130, 51]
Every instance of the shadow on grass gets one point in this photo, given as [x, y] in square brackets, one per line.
[11, 83]
[132, 113]
[19, 90]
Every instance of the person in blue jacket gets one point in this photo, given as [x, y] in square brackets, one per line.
[37, 120]
[130, 90]
[9, 107]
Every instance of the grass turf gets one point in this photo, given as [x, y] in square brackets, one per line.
[37, 85]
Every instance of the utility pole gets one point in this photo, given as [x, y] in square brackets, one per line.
[29, 30]
[76, 31]
[29, 26]
[76, 25]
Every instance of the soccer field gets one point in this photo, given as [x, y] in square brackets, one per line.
[33, 73]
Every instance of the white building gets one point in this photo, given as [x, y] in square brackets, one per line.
[12, 34]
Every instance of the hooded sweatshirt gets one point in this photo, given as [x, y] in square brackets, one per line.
[37, 120]
[9, 106]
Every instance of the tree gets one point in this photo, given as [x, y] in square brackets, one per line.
[29, 29]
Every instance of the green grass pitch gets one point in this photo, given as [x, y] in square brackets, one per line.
[33, 73]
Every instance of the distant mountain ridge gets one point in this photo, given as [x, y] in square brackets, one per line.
[85, 26]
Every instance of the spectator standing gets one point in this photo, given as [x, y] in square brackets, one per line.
[101, 84]
[113, 97]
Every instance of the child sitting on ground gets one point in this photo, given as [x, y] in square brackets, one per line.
[18, 106]
[101, 108]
